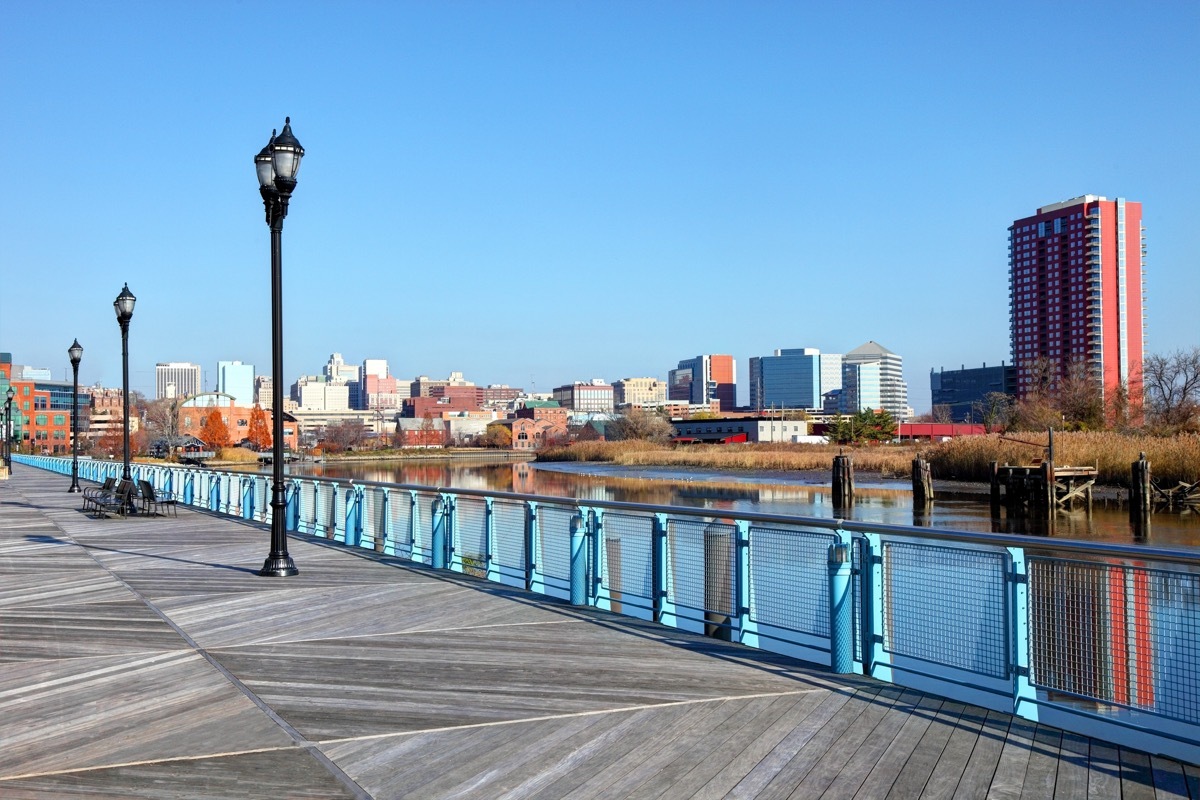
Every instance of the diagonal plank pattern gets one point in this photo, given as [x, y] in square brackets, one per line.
[143, 657]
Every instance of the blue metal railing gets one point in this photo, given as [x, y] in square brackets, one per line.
[1102, 639]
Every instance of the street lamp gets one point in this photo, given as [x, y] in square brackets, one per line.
[76, 354]
[277, 165]
[8, 429]
[123, 305]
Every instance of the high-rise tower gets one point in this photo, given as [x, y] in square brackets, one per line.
[1076, 293]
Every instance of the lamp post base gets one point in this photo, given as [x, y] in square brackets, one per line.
[278, 567]
[74, 489]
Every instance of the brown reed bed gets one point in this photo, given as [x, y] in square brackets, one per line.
[893, 460]
[967, 458]
[1172, 459]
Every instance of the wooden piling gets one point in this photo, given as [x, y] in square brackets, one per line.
[995, 470]
[922, 482]
[1139, 488]
[843, 481]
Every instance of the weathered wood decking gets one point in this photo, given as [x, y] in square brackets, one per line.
[145, 658]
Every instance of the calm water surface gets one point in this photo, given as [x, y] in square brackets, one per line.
[876, 500]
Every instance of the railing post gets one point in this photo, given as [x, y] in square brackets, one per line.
[385, 521]
[747, 630]
[491, 564]
[1024, 694]
[354, 515]
[189, 488]
[658, 567]
[214, 493]
[247, 498]
[841, 608]
[875, 658]
[579, 590]
[534, 581]
[438, 538]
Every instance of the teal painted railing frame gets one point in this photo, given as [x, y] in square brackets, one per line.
[954, 613]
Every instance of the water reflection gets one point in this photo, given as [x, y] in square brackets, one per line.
[875, 500]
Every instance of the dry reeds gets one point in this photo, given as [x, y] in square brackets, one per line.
[967, 458]
[1172, 459]
[893, 460]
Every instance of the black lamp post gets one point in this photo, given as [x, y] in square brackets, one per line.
[76, 354]
[8, 428]
[123, 305]
[277, 165]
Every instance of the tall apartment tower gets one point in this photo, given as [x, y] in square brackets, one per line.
[702, 379]
[1076, 293]
[177, 379]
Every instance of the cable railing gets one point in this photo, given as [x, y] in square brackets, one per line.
[1093, 637]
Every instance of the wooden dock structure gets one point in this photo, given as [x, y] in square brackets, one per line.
[143, 657]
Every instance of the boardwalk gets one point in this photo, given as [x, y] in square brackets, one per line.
[144, 658]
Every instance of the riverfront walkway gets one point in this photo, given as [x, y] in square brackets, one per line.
[145, 658]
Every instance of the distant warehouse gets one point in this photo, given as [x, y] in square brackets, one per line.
[744, 429]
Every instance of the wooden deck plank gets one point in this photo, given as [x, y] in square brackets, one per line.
[145, 657]
[1104, 771]
[985, 757]
[1071, 782]
[921, 762]
[762, 744]
[815, 765]
[1042, 770]
[1169, 780]
[1137, 777]
[1009, 779]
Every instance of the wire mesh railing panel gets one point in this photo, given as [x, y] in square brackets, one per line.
[326, 511]
[702, 565]
[947, 605]
[857, 564]
[508, 530]
[1120, 634]
[629, 554]
[554, 534]
[308, 506]
[423, 541]
[373, 530]
[262, 499]
[401, 512]
[789, 578]
[470, 530]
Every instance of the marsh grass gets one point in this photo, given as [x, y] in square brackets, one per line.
[1172, 459]
[966, 459]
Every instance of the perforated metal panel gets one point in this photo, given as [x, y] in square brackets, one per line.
[554, 525]
[702, 565]
[947, 606]
[1120, 634]
[629, 550]
[262, 499]
[789, 578]
[326, 513]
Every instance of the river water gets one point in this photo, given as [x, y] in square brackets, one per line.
[802, 494]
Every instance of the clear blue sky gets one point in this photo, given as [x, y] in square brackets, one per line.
[533, 193]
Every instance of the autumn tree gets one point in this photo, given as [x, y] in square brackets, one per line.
[162, 421]
[260, 432]
[214, 432]
[496, 436]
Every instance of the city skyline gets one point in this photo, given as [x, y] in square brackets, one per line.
[685, 179]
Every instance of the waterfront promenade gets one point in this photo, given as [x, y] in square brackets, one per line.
[145, 658]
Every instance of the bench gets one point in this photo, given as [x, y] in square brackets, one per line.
[91, 493]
